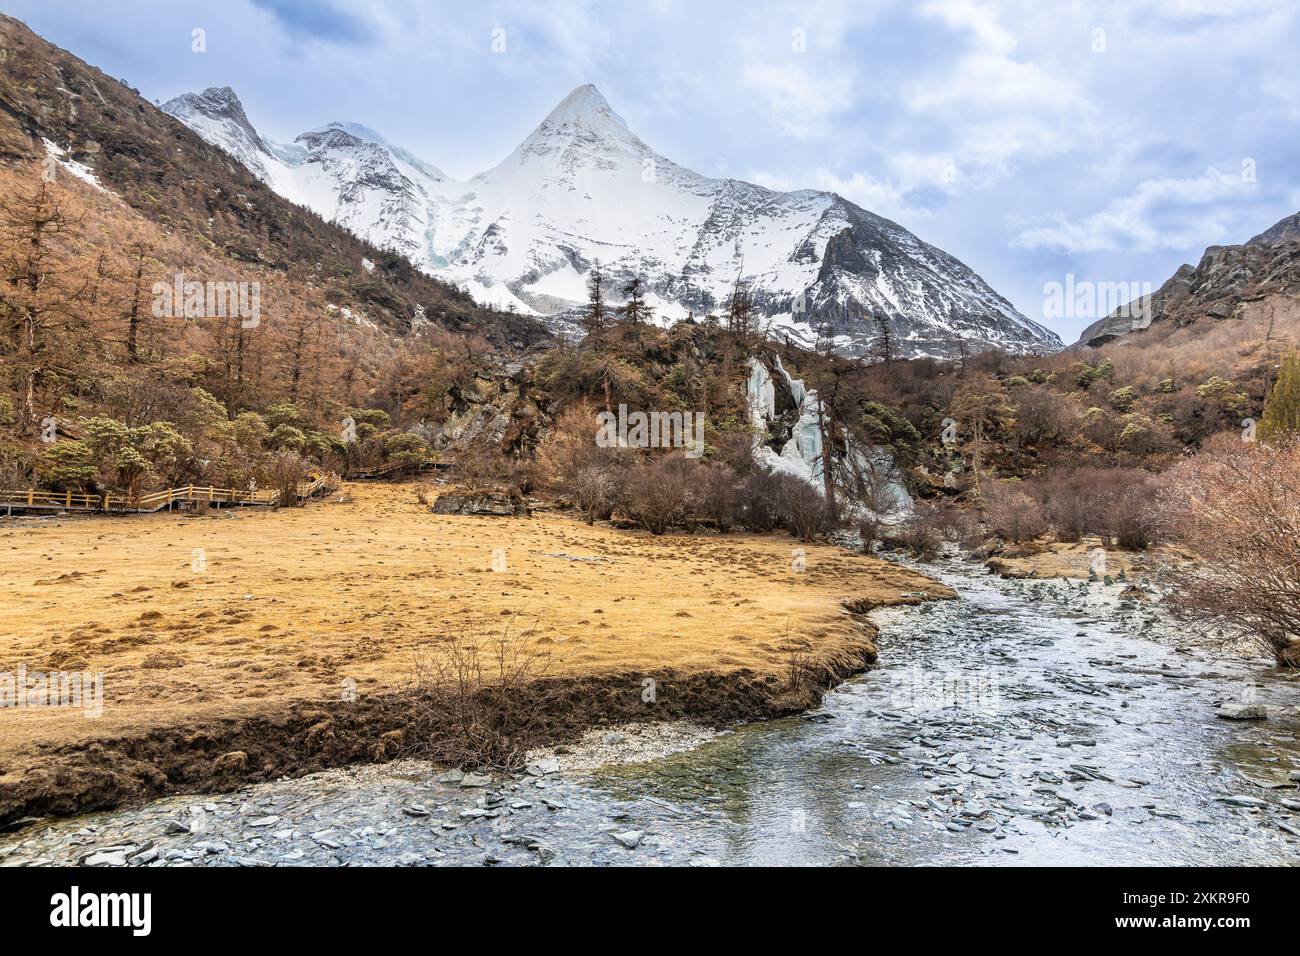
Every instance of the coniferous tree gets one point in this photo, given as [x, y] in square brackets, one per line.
[885, 340]
[43, 291]
[596, 317]
[1282, 410]
[635, 311]
[740, 310]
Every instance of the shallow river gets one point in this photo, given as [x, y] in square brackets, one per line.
[1026, 723]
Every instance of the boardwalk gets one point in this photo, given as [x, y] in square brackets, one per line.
[33, 500]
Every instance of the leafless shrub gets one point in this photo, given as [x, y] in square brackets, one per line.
[955, 523]
[919, 533]
[657, 493]
[872, 490]
[1238, 509]
[1012, 514]
[870, 529]
[800, 671]
[1111, 503]
[761, 501]
[283, 472]
[1042, 415]
[717, 495]
[573, 465]
[1132, 519]
[803, 509]
[482, 704]
[594, 490]
[1075, 500]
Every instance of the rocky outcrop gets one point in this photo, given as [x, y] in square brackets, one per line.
[501, 502]
[1263, 272]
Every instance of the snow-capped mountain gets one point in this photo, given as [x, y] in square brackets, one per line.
[583, 187]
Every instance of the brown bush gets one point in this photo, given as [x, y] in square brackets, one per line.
[283, 472]
[1111, 503]
[657, 492]
[760, 501]
[1012, 514]
[1238, 509]
[955, 523]
[1132, 518]
[573, 466]
[919, 532]
[872, 495]
[594, 491]
[716, 496]
[1075, 501]
[870, 530]
[803, 508]
[1043, 416]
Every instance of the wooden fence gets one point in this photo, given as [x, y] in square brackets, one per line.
[33, 500]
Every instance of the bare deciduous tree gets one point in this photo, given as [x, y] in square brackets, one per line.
[1237, 507]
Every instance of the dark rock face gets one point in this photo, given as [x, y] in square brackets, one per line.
[501, 503]
[841, 253]
[1222, 283]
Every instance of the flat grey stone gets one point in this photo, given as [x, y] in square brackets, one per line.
[630, 838]
[1240, 801]
[1242, 712]
[115, 858]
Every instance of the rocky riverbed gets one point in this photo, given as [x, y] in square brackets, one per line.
[1044, 722]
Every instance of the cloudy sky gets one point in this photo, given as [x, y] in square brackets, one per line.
[1108, 140]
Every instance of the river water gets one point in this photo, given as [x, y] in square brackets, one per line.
[1026, 723]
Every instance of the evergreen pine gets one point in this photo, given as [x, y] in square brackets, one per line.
[635, 311]
[1282, 409]
[596, 317]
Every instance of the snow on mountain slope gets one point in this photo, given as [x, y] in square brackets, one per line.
[583, 187]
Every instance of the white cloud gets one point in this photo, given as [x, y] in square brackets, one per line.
[998, 106]
[1194, 9]
[797, 99]
[1159, 214]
